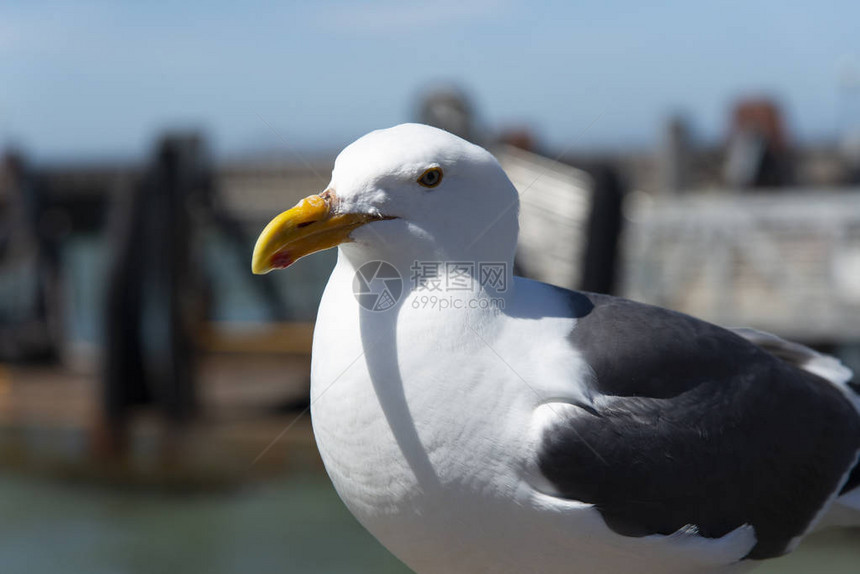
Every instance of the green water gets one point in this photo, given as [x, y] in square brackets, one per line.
[293, 525]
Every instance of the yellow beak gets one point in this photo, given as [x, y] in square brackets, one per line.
[308, 227]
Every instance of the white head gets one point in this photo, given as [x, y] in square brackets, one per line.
[411, 192]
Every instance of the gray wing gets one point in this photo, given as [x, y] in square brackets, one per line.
[695, 425]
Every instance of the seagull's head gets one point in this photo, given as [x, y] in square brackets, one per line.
[411, 189]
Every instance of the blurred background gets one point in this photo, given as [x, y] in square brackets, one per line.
[153, 393]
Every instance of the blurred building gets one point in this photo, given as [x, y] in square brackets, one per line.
[780, 258]
[787, 263]
[449, 108]
[754, 233]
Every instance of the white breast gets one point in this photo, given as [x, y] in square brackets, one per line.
[432, 456]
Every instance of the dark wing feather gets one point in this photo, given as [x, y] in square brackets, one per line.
[697, 427]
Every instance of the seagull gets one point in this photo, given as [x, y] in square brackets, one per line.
[474, 421]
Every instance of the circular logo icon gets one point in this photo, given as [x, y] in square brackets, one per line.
[377, 286]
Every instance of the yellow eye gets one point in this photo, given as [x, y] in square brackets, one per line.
[431, 178]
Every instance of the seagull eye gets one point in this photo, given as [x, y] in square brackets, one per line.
[431, 178]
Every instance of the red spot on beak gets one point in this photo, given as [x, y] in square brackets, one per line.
[281, 260]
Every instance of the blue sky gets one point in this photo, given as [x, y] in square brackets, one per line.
[90, 78]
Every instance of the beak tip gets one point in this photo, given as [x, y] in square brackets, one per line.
[280, 260]
[259, 266]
